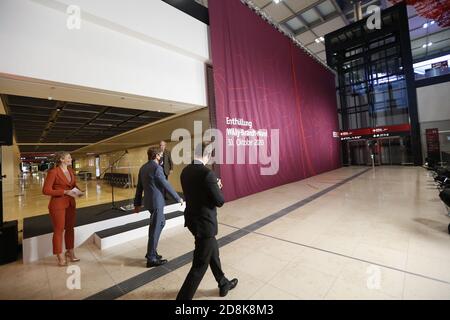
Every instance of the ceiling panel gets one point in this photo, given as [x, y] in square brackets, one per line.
[418, 33]
[306, 37]
[316, 47]
[329, 26]
[322, 56]
[326, 8]
[48, 121]
[261, 3]
[416, 22]
[31, 102]
[418, 52]
[443, 35]
[278, 11]
[440, 46]
[298, 5]
[295, 24]
[310, 16]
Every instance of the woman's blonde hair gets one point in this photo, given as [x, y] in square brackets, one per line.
[60, 155]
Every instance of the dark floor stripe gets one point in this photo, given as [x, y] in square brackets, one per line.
[146, 277]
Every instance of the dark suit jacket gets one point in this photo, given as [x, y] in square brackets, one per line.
[54, 185]
[152, 182]
[202, 195]
[167, 162]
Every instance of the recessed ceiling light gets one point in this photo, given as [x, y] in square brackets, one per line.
[50, 98]
[277, 1]
[320, 39]
[427, 24]
[430, 44]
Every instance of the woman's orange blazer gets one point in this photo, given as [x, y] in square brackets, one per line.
[54, 185]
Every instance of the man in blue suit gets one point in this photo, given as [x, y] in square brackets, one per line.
[152, 182]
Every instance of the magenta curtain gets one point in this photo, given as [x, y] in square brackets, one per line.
[260, 75]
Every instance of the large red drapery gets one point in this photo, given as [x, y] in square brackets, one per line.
[261, 76]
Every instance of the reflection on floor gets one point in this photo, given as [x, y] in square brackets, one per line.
[27, 199]
[382, 235]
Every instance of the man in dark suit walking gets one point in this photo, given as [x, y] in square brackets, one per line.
[165, 162]
[152, 182]
[166, 159]
[202, 191]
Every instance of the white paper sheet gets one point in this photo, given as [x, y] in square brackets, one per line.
[76, 193]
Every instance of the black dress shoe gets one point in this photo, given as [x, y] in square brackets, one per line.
[156, 263]
[159, 257]
[230, 285]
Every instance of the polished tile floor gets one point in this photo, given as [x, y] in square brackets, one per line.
[382, 235]
[27, 200]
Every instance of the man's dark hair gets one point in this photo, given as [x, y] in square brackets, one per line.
[200, 149]
[152, 153]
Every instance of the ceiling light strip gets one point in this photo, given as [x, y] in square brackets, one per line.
[284, 31]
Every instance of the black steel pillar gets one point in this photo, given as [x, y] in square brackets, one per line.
[405, 40]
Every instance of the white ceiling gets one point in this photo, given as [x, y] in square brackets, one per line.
[22, 86]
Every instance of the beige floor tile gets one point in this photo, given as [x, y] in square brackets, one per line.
[247, 286]
[344, 245]
[276, 248]
[329, 264]
[260, 265]
[431, 246]
[93, 277]
[429, 266]
[164, 288]
[344, 290]
[303, 282]
[124, 266]
[269, 292]
[418, 288]
[394, 241]
[367, 280]
[233, 253]
[19, 281]
[381, 255]
[371, 218]
[295, 232]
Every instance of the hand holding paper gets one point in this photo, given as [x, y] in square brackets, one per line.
[75, 193]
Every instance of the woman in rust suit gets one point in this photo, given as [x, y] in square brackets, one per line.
[58, 184]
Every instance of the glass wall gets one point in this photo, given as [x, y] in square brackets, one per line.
[372, 85]
[375, 85]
